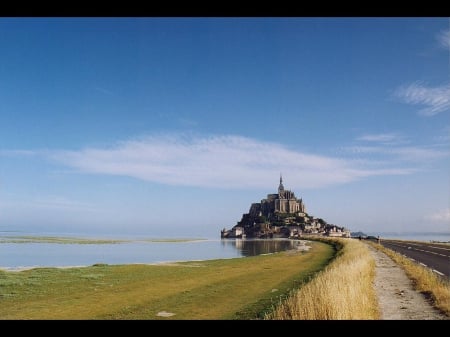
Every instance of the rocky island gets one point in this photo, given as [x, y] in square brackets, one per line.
[281, 215]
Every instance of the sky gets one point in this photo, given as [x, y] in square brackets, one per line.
[174, 126]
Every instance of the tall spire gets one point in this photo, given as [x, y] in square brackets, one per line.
[281, 187]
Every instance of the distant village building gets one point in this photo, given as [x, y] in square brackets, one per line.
[281, 215]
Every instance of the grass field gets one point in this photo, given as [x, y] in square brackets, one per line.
[343, 290]
[241, 288]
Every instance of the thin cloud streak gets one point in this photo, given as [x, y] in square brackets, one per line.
[18, 153]
[436, 99]
[217, 161]
[405, 153]
[442, 216]
[383, 137]
[444, 38]
[443, 138]
[386, 138]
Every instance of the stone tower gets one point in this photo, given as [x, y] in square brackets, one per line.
[281, 187]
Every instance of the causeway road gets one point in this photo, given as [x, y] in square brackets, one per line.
[435, 256]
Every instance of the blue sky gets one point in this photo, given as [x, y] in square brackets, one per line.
[174, 126]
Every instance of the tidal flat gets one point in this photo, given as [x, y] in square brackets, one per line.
[86, 241]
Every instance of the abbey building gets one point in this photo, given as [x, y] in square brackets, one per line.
[280, 214]
[282, 202]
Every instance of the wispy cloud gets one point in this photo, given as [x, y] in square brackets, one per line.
[389, 138]
[418, 153]
[18, 153]
[436, 99]
[217, 161]
[387, 150]
[443, 137]
[444, 38]
[442, 216]
[401, 153]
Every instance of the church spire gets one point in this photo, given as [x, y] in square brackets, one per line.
[281, 187]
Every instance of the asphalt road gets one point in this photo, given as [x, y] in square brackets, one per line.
[433, 255]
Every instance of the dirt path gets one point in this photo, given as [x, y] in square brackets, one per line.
[397, 298]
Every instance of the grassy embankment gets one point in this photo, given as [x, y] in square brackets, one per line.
[343, 290]
[241, 288]
[424, 280]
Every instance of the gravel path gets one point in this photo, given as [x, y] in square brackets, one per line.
[397, 298]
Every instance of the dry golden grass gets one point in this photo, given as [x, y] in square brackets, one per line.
[424, 280]
[343, 290]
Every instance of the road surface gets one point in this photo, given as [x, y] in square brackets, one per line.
[432, 255]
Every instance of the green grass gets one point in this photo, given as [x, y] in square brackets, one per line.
[241, 288]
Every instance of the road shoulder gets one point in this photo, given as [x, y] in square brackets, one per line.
[396, 296]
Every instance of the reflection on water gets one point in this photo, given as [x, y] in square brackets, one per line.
[26, 255]
[252, 247]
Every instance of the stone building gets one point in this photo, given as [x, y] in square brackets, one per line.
[282, 202]
[280, 215]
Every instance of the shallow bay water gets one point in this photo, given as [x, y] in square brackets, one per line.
[19, 255]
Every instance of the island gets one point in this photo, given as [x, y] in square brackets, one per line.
[281, 215]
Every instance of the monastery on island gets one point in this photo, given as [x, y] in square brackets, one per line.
[281, 215]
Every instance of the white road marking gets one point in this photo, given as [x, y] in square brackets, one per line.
[440, 248]
[425, 251]
[420, 250]
[417, 244]
[437, 272]
[435, 247]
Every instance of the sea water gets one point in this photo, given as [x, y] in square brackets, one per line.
[16, 256]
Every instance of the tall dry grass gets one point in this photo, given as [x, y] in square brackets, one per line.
[424, 280]
[343, 290]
